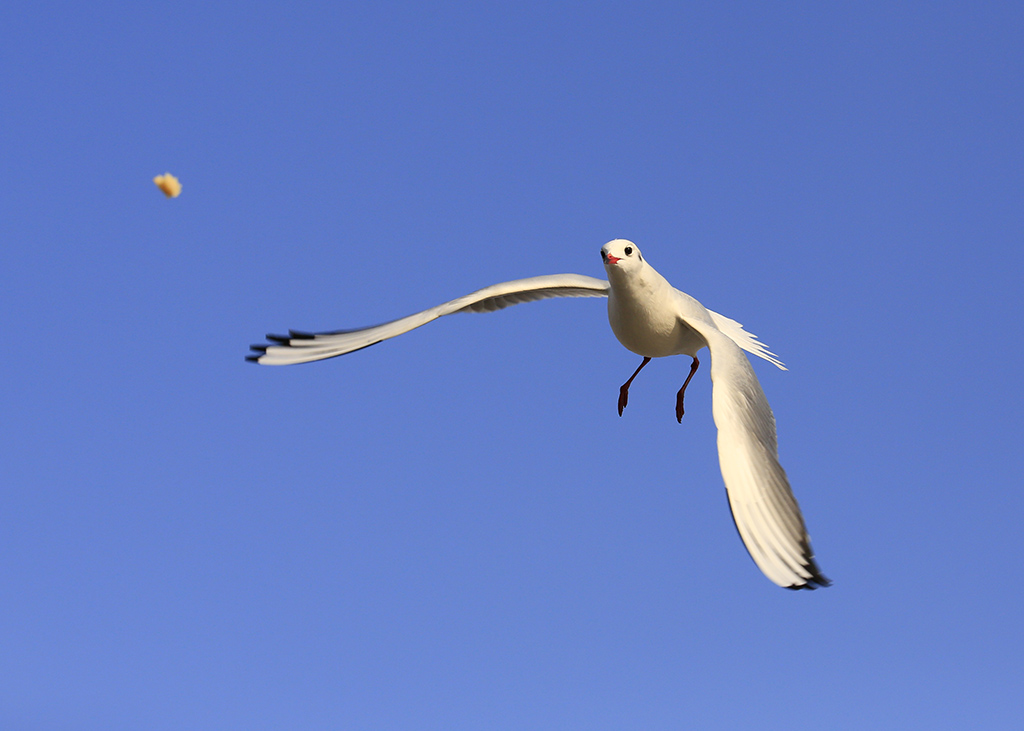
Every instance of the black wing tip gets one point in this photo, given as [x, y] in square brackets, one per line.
[258, 352]
[292, 335]
[817, 580]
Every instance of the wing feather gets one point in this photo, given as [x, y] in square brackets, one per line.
[303, 347]
[747, 341]
[765, 512]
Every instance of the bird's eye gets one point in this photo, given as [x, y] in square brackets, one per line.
[629, 250]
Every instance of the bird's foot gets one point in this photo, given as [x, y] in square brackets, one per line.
[682, 391]
[624, 389]
[623, 398]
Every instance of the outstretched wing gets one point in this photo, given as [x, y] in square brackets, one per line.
[766, 514]
[300, 347]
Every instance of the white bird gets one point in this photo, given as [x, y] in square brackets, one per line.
[653, 319]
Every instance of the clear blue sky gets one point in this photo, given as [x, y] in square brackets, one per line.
[454, 530]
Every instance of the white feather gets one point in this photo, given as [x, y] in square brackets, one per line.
[300, 347]
[747, 341]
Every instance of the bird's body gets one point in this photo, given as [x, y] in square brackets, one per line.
[644, 312]
[652, 318]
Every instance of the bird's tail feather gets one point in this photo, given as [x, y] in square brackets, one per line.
[747, 341]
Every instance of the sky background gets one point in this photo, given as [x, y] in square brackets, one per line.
[454, 529]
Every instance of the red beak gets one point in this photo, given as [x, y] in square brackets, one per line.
[613, 259]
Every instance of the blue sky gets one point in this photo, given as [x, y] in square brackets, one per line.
[454, 529]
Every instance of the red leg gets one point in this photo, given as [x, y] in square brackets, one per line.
[624, 390]
[679, 396]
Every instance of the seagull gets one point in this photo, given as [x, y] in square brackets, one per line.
[653, 319]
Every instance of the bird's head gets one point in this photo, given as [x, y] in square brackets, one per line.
[621, 257]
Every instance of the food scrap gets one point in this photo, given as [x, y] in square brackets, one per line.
[168, 184]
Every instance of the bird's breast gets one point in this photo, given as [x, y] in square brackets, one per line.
[651, 331]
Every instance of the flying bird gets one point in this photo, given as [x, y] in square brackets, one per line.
[653, 319]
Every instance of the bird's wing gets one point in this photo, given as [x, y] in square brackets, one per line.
[301, 347]
[766, 514]
[747, 341]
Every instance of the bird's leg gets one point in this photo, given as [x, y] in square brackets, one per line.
[624, 390]
[679, 396]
